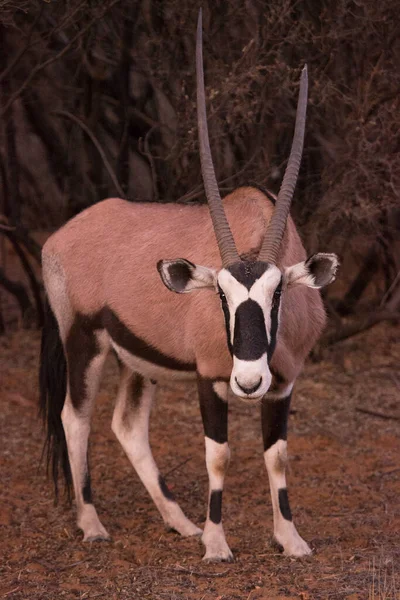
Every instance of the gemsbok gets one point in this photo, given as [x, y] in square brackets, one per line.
[246, 312]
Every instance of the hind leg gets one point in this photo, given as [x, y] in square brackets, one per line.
[86, 352]
[131, 426]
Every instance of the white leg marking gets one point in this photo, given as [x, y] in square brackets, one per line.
[217, 461]
[282, 392]
[285, 532]
[221, 389]
[133, 434]
[77, 428]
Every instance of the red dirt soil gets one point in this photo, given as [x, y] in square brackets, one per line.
[344, 485]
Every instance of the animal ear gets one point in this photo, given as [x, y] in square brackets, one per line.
[182, 276]
[316, 272]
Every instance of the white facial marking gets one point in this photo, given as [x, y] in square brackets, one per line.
[247, 373]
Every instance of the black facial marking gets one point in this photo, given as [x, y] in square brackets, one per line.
[276, 300]
[214, 411]
[179, 273]
[274, 417]
[87, 490]
[165, 489]
[250, 390]
[250, 340]
[216, 506]
[227, 316]
[247, 273]
[284, 504]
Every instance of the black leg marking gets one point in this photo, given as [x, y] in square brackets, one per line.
[274, 416]
[87, 490]
[214, 411]
[81, 348]
[134, 397]
[284, 504]
[216, 506]
[165, 489]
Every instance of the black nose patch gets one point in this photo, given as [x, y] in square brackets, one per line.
[250, 337]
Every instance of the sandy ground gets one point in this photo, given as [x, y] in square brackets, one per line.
[344, 485]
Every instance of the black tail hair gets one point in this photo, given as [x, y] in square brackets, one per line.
[53, 387]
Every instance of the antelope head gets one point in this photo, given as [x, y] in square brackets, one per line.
[250, 291]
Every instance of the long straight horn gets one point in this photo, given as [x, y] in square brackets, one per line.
[276, 228]
[225, 240]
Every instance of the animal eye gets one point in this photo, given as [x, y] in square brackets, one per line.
[222, 296]
[276, 297]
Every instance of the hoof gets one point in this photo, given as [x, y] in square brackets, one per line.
[295, 546]
[97, 537]
[210, 558]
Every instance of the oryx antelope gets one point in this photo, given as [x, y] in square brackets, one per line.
[246, 312]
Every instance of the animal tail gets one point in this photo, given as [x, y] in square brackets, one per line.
[53, 387]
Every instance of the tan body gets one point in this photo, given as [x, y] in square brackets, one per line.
[117, 244]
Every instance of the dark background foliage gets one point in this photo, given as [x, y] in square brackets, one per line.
[98, 99]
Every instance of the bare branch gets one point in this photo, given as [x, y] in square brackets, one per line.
[22, 51]
[56, 57]
[96, 143]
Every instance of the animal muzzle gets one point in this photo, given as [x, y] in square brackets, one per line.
[250, 379]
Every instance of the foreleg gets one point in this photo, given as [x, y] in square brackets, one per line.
[214, 411]
[275, 412]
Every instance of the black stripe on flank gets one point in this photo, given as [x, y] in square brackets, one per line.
[165, 489]
[87, 490]
[216, 506]
[82, 347]
[284, 504]
[129, 341]
[250, 340]
[276, 301]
